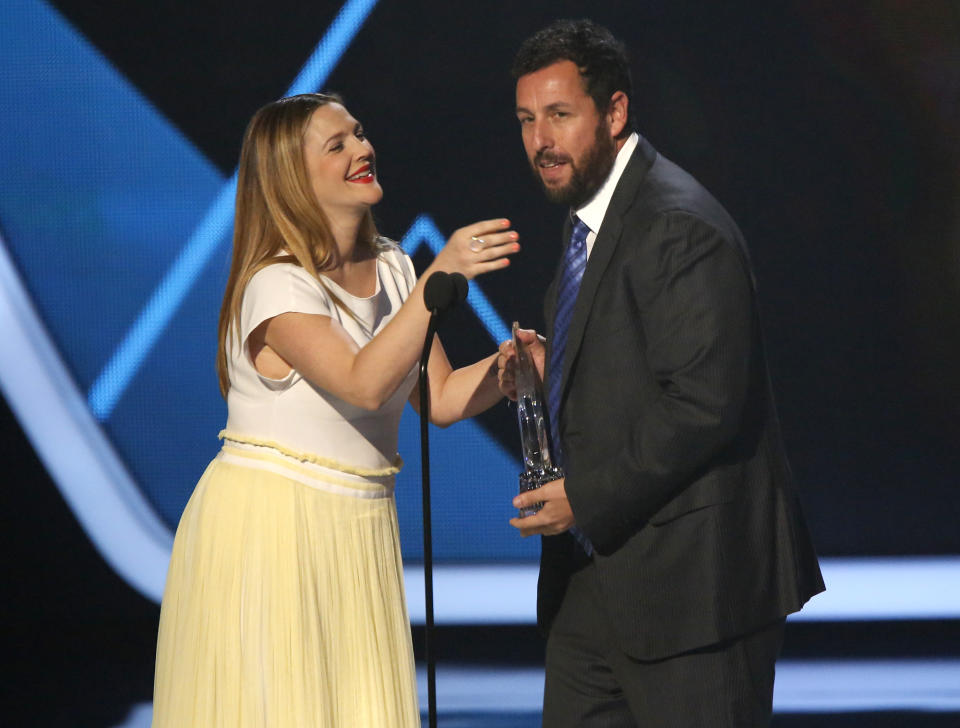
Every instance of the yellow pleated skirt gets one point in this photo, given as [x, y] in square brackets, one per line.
[284, 603]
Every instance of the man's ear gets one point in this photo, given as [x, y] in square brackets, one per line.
[618, 113]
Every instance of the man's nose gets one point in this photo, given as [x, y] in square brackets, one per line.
[541, 137]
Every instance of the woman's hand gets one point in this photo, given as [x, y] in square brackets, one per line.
[478, 248]
[507, 360]
[507, 370]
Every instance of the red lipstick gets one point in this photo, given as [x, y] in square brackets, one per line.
[362, 176]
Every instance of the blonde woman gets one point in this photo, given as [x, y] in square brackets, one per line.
[284, 603]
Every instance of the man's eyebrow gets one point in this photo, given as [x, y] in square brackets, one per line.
[555, 106]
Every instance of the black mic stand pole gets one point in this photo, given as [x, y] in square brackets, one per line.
[427, 525]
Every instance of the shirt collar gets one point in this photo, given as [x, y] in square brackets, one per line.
[593, 212]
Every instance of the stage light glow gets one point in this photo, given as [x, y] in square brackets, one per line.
[468, 695]
[858, 589]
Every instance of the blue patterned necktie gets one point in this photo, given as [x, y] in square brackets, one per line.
[571, 273]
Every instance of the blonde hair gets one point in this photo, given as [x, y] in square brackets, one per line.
[278, 218]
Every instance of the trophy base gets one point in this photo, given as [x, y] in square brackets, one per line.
[532, 480]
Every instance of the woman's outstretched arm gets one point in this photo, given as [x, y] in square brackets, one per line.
[456, 394]
[321, 350]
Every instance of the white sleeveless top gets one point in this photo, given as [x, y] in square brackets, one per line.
[293, 414]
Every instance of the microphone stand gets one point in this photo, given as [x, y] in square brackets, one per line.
[427, 524]
[441, 292]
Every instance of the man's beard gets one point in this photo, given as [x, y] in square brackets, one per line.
[586, 174]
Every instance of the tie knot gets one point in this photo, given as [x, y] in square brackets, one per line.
[578, 240]
[580, 230]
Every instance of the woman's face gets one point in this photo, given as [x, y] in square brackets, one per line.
[340, 162]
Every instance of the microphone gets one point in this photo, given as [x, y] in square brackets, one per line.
[460, 283]
[443, 291]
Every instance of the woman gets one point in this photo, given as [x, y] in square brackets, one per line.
[284, 603]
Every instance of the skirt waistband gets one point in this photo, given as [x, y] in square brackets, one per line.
[325, 477]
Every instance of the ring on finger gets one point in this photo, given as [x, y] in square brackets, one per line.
[476, 244]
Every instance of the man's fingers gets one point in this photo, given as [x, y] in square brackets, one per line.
[528, 526]
[554, 517]
[544, 493]
[536, 525]
[518, 523]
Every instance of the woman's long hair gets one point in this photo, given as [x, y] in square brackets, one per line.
[278, 218]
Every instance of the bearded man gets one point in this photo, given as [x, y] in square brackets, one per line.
[674, 546]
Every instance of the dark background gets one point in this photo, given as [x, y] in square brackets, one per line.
[830, 132]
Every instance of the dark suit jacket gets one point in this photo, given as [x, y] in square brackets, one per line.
[675, 468]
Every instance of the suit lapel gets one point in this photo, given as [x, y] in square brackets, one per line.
[608, 237]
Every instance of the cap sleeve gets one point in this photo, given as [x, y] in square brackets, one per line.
[402, 266]
[280, 288]
[409, 274]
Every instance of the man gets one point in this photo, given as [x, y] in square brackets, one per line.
[674, 546]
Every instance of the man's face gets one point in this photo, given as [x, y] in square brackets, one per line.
[568, 142]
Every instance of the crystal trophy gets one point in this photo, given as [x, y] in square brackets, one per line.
[538, 468]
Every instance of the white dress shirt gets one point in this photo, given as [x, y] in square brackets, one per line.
[594, 211]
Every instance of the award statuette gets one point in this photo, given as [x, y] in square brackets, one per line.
[538, 468]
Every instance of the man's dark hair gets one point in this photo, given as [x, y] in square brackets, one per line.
[601, 58]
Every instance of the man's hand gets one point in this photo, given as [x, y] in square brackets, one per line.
[506, 362]
[555, 516]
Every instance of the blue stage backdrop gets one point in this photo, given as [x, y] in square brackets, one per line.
[119, 134]
[120, 229]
